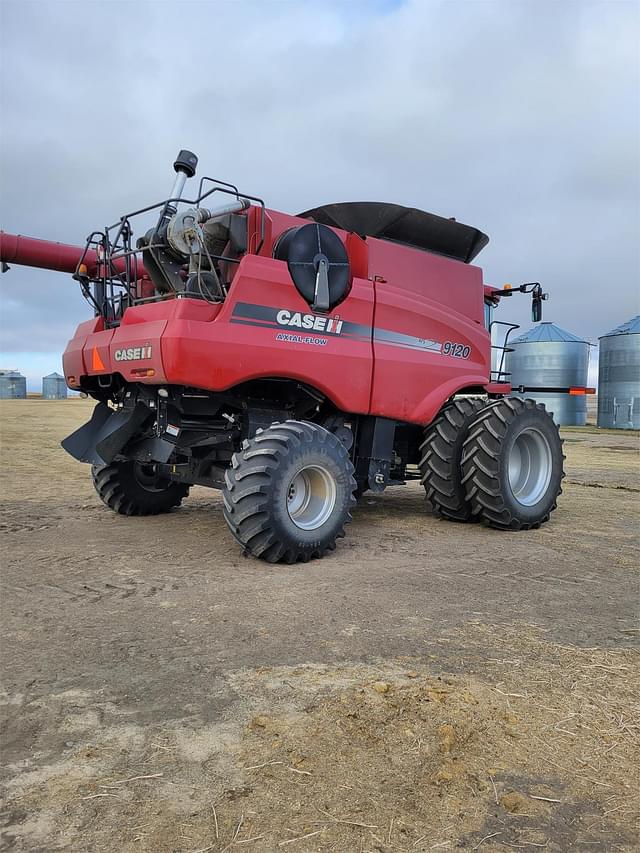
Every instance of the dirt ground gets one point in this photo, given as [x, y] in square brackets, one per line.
[429, 686]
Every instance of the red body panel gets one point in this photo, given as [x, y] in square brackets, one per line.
[213, 347]
[431, 300]
[408, 336]
[227, 352]
[96, 355]
[73, 362]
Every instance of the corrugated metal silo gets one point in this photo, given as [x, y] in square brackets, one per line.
[619, 377]
[13, 385]
[54, 387]
[549, 357]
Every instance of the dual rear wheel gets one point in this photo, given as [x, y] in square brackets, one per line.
[500, 462]
[512, 464]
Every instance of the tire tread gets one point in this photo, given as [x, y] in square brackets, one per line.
[246, 496]
[482, 464]
[440, 459]
[113, 490]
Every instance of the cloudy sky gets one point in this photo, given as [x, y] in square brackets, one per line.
[518, 116]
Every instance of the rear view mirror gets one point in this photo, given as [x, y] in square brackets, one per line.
[537, 298]
[536, 309]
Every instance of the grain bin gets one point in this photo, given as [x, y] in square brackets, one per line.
[548, 357]
[54, 387]
[13, 385]
[619, 377]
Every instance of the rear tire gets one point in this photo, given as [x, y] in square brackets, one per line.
[131, 488]
[289, 492]
[512, 464]
[441, 453]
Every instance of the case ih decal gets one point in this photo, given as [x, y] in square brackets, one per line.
[309, 321]
[132, 353]
[249, 314]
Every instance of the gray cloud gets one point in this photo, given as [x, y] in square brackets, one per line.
[519, 117]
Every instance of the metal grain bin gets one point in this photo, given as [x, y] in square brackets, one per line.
[54, 387]
[13, 385]
[619, 377]
[549, 357]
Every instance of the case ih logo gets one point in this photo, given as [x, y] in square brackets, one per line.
[265, 317]
[312, 322]
[132, 353]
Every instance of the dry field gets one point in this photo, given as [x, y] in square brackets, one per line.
[430, 686]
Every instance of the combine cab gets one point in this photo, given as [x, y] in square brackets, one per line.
[295, 362]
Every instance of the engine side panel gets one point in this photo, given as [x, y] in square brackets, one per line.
[265, 329]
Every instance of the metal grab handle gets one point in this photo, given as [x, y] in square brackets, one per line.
[504, 348]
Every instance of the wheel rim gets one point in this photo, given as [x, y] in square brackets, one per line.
[147, 477]
[311, 497]
[530, 466]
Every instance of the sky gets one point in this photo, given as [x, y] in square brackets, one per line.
[520, 117]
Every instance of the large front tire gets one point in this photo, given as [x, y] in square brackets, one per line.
[289, 492]
[134, 488]
[512, 464]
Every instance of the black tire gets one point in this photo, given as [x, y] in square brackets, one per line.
[441, 453]
[131, 488]
[259, 503]
[512, 464]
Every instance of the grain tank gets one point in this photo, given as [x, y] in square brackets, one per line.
[550, 361]
[619, 377]
[54, 387]
[13, 385]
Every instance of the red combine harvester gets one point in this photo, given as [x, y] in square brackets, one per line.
[295, 362]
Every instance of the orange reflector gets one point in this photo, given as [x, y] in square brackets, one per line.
[82, 269]
[96, 361]
[506, 287]
[143, 371]
[577, 392]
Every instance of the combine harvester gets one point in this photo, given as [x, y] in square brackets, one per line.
[295, 362]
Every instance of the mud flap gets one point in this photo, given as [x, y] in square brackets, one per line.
[100, 440]
[152, 450]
